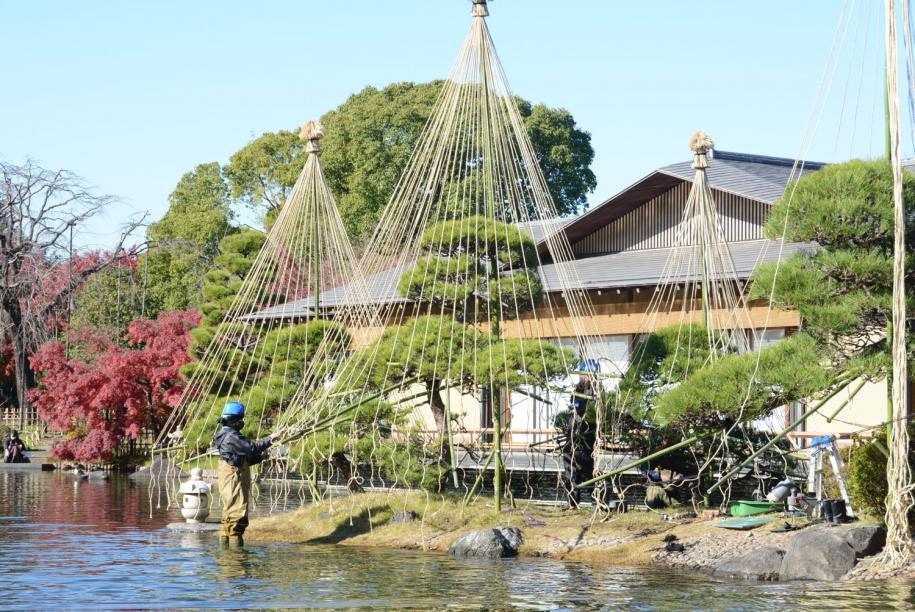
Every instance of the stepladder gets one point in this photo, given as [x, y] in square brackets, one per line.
[821, 448]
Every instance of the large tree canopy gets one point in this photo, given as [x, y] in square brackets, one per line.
[186, 240]
[261, 174]
[370, 138]
[842, 289]
[199, 212]
[110, 393]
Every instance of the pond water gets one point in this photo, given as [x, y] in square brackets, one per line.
[69, 544]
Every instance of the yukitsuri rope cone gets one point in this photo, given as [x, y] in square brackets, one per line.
[700, 270]
[477, 294]
[699, 291]
[899, 500]
[261, 360]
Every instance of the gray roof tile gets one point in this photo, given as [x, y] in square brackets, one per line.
[610, 271]
[646, 267]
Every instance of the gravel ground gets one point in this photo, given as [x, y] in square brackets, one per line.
[703, 552]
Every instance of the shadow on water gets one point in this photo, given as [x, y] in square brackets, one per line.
[71, 545]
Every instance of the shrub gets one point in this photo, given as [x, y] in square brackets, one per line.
[867, 473]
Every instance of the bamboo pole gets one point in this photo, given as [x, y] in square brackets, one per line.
[479, 479]
[489, 202]
[328, 421]
[497, 448]
[850, 397]
[211, 452]
[899, 544]
[639, 462]
[452, 453]
[778, 437]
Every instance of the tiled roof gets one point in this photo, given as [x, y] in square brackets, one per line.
[645, 267]
[380, 288]
[757, 177]
[610, 271]
[753, 176]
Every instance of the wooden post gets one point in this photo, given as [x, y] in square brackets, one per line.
[451, 451]
[489, 203]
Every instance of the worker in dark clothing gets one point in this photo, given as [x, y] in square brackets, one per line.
[14, 449]
[577, 441]
[236, 456]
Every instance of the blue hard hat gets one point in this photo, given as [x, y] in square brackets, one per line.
[234, 409]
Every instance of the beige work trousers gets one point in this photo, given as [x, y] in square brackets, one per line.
[234, 489]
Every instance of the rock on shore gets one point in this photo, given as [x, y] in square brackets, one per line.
[762, 564]
[488, 543]
[818, 554]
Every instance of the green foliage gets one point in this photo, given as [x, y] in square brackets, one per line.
[478, 268]
[675, 383]
[237, 254]
[370, 138]
[263, 370]
[867, 483]
[662, 360]
[746, 387]
[174, 277]
[107, 302]
[419, 348]
[564, 153]
[369, 141]
[186, 240]
[364, 436]
[199, 213]
[843, 290]
[262, 173]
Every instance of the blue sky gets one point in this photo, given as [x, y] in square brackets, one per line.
[132, 95]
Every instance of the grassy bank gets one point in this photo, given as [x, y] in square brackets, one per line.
[365, 520]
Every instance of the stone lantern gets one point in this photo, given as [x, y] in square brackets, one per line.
[195, 503]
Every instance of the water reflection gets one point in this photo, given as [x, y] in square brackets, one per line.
[93, 544]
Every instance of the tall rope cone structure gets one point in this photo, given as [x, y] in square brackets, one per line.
[699, 286]
[899, 500]
[474, 310]
[700, 270]
[261, 360]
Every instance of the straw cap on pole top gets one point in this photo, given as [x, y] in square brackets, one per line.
[312, 133]
[700, 144]
[480, 9]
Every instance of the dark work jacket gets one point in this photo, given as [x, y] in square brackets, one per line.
[234, 448]
[11, 441]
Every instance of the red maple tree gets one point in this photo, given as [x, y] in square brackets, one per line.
[110, 393]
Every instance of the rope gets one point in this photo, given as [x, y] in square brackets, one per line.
[899, 544]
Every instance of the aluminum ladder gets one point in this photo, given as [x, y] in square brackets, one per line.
[821, 447]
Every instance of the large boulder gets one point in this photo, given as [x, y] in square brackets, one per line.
[817, 554]
[488, 543]
[866, 540]
[760, 564]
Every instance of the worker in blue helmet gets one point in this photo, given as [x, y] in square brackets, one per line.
[236, 456]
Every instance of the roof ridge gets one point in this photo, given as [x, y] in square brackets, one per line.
[764, 159]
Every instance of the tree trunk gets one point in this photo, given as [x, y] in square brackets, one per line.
[25, 376]
[437, 405]
[438, 412]
[344, 465]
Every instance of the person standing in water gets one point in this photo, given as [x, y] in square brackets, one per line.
[236, 456]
